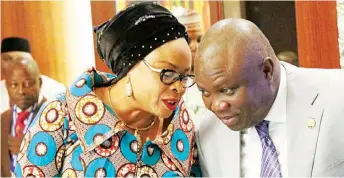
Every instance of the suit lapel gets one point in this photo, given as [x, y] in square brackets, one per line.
[219, 148]
[39, 106]
[303, 123]
[6, 119]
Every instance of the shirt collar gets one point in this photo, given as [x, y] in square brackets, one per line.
[29, 109]
[278, 110]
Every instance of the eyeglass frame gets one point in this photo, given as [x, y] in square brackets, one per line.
[180, 76]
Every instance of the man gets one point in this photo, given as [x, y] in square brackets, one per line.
[15, 48]
[289, 57]
[192, 22]
[271, 118]
[23, 84]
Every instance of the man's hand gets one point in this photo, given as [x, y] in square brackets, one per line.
[14, 143]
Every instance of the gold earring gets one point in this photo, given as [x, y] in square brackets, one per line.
[128, 89]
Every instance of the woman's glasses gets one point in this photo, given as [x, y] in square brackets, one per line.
[168, 76]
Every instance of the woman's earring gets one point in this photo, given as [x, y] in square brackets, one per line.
[128, 89]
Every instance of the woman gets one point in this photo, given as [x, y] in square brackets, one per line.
[132, 123]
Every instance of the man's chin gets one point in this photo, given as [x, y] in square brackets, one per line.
[23, 105]
[236, 128]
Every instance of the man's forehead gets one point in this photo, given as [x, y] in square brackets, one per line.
[17, 54]
[216, 56]
[220, 66]
[210, 51]
[195, 33]
[210, 65]
[22, 70]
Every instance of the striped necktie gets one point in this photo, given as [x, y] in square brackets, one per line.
[270, 166]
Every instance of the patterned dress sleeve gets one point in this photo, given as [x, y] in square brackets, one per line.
[43, 147]
[195, 167]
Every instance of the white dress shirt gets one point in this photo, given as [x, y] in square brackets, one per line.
[50, 88]
[251, 147]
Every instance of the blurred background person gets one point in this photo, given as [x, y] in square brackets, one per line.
[192, 22]
[15, 48]
[289, 57]
[23, 83]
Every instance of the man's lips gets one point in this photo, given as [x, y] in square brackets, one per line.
[23, 100]
[227, 117]
[230, 120]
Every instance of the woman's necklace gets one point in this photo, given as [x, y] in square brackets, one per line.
[136, 130]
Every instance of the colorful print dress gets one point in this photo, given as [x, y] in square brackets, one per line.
[77, 135]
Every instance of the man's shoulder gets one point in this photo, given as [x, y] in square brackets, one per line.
[322, 79]
[6, 115]
[324, 86]
[207, 121]
[6, 112]
[50, 81]
[207, 117]
[51, 88]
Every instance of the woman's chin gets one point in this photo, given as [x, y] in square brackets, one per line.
[164, 113]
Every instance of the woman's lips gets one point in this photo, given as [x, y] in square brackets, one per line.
[170, 103]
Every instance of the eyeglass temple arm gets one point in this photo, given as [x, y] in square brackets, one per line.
[151, 68]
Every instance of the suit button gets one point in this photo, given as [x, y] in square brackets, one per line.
[311, 123]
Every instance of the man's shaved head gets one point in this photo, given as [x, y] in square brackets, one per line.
[229, 35]
[8, 58]
[29, 64]
[238, 72]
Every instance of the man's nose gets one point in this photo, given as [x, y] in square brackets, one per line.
[220, 106]
[22, 90]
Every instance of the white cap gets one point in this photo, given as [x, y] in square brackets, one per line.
[186, 16]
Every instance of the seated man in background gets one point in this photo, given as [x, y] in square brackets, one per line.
[23, 83]
[15, 48]
[289, 57]
[192, 22]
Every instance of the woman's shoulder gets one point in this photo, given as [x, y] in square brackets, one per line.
[51, 114]
[90, 79]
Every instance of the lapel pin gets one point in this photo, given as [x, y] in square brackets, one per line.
[311, 123]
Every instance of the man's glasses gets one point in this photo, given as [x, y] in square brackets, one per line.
[168, 76]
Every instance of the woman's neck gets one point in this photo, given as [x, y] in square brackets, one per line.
[124, 106]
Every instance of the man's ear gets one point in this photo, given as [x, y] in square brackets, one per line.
[268, 68]
[40, 82]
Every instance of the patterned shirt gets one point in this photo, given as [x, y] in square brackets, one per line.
[77, 135]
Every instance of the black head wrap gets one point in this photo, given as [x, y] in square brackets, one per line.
[15, 44]
[133, 33]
